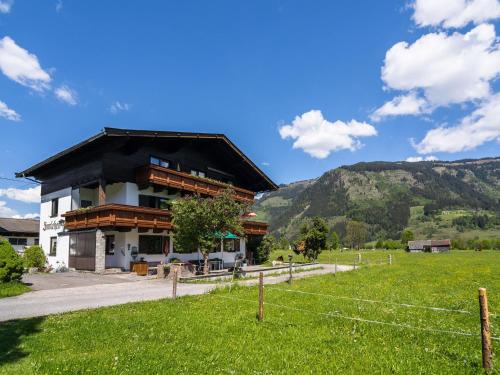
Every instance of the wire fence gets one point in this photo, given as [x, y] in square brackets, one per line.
[337, 315]
[407, 305]
[484, 333]
[334, 314]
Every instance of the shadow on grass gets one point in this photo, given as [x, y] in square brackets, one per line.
[11, 337]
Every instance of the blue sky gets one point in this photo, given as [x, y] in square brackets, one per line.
[301, 87]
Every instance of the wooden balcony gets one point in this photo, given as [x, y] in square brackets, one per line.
[120, 216]
[155, 175]
[255, 228]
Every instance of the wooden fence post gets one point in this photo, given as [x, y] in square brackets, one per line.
[390, 259]
[261, 297]
[485, 330]
[290, 268]
[359, 257]
[174, 283]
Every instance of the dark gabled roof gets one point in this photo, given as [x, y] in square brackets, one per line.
[115, 132]
[10, 225]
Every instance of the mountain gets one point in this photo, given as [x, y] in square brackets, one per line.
[432, 198]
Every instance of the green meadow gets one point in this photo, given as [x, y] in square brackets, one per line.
[374, 320]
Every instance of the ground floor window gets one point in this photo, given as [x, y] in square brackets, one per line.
[53, 246]
[18, 241]
[153, 244]
[231, 244]
[37, 241]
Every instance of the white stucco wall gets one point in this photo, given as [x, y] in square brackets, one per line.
[125, 242]
[65, 201]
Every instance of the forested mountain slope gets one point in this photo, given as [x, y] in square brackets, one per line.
[432, 198]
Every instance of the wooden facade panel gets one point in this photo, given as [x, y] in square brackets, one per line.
[124, 216]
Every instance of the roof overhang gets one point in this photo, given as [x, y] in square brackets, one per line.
[115, 132]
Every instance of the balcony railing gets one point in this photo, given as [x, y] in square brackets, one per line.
[152, 174]
[117, 215]
[255, 228]
[128, 217]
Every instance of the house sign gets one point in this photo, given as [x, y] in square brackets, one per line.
[53, 225]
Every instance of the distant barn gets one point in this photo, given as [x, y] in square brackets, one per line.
[20, 232]
[434, 246]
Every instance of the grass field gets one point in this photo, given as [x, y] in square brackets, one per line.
[301, 333]
[12, 289]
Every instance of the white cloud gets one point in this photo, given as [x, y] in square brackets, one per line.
[409, 104]
[454, 13]
[414, 159]
[482, 126]
[448, 69]
[67, 95]
[21, 66]
[6, 211]
[319, 137]
[5, 6]
[27, 216]
[30, 195]
[8, 113]
[118, 107]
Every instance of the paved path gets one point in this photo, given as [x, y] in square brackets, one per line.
[54, 301]
[44, 281]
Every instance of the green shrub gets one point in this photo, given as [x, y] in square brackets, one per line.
[11, 264]
[263, 250]
[34, 257]
[392, 245]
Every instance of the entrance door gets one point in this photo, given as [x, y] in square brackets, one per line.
[82, 251]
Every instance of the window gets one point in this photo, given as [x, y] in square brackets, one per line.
[164, 203]
[53, 246]
[154, 202]
[146, 201]
[153, 244]
[110, 245]
[55, 207]
[158, 161]
[37, 242]
[231, 244]
[18, 241]
[195, 172]
[85, 203]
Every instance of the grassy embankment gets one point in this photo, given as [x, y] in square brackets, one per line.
[12, 289]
